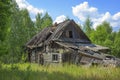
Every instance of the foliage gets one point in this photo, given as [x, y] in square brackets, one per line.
[38, 22]
[46, 21]
[87, 27]
[42, 21]
[4, 24]
[4, 18]
[116, 45]
[19, 33]
[21, 29]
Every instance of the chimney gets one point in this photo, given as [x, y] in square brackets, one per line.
[55, 24]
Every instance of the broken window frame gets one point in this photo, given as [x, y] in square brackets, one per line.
[69, 34]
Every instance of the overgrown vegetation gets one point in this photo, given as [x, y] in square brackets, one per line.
[67, 72]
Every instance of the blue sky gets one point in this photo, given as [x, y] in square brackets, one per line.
[98, 10]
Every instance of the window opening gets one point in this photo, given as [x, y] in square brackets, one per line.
[55, 57]
[70, 34]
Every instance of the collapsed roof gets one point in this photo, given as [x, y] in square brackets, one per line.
[54, 33]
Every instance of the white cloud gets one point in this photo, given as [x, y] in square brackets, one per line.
[60, 18]
[24, 4]
[116, 16]
[83, 10]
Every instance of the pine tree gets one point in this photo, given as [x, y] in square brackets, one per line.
[38, 22]
[87, 26]
[46, 21]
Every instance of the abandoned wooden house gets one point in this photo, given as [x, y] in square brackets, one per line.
[61, 43]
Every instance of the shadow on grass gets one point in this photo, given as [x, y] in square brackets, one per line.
[33, 75]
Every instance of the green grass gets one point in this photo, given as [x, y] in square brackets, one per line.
[67, 72]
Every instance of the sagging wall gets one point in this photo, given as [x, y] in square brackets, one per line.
[52, 55]
[60, 55]
[57, 54]
[34, 56]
